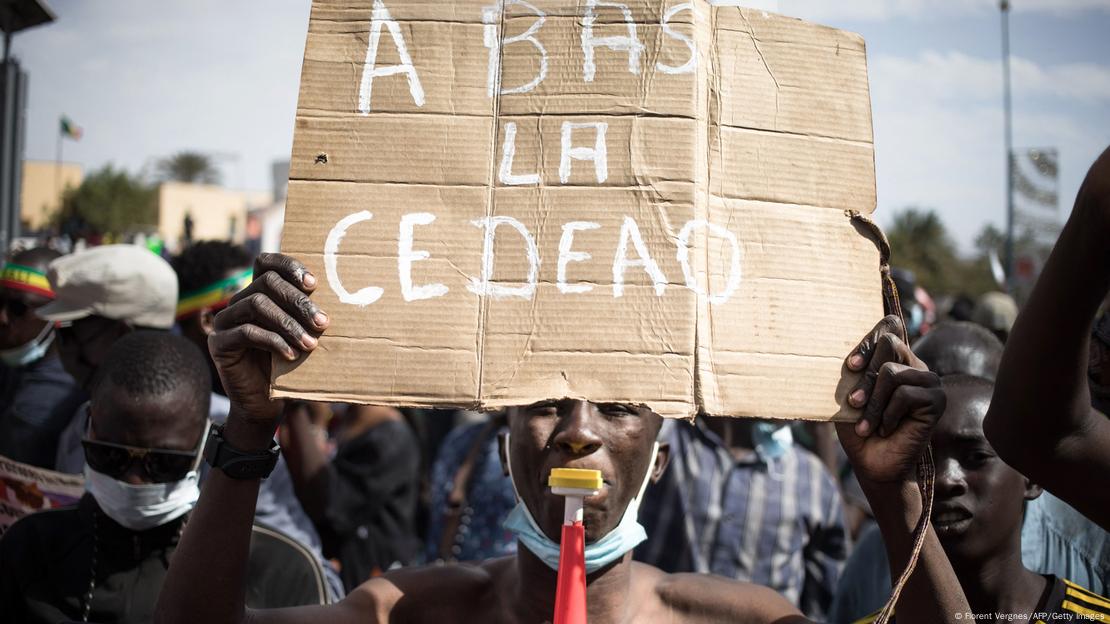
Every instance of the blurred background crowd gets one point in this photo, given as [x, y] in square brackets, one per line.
[113, 275]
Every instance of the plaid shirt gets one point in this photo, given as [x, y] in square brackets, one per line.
[778, 524]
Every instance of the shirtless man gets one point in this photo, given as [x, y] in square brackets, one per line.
[901, 402]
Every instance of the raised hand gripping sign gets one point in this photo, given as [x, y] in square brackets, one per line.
[633, 201]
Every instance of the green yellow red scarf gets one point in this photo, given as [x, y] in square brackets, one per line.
[214, 296]
[27, 279]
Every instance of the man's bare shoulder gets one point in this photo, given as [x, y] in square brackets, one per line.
[438, 593]
[711, 598]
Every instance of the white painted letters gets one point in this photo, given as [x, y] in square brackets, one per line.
[484, 287]
[381, 17]
[597, 153]
[491, 18]
[363, 297]
[508, 152]
[631, 231]
[733, 281]
[566, 256]
[406, 255]
[689, 66]
[630, 43]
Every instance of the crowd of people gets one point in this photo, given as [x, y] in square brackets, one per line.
[206, 501]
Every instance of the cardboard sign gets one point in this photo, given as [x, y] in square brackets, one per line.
[26, 489]
[636, 201]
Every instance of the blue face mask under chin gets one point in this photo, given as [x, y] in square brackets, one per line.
[771, 440]
[626, 536]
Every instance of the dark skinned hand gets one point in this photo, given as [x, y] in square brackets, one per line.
[901, 401]
[271, 317]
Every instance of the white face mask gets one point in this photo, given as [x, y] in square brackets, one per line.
[142, 507]
[30, 352]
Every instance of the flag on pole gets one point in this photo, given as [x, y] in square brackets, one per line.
[70, 129]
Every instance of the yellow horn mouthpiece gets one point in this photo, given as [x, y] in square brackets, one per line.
[575, 478]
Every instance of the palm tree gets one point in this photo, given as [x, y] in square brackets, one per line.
[191, 167]
[920, 242]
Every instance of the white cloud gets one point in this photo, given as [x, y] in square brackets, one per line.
[886, 9]
[957, 76]
[939, 131]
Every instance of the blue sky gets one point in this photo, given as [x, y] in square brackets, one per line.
[146, 79]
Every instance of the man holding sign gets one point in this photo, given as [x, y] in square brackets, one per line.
[275, 317]
[593, 215]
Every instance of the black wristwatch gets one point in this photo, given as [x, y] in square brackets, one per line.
[239, 464]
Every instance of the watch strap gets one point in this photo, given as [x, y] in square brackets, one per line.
[236, 463]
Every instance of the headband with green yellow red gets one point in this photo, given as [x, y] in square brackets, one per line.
[25, 278]
[214, 296]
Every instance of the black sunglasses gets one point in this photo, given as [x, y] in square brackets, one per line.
[158, 465]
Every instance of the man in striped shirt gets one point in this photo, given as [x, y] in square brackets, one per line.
[740, 500]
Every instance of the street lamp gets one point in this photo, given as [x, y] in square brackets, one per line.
[1007, 107]
[15, 16]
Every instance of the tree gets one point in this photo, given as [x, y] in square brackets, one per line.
[191, 167]
[109, 201]
[920, 242]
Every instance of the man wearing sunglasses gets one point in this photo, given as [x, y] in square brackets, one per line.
[37, 394]
[105, 559]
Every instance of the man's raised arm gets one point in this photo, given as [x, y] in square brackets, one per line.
[1040, 419]
[901, 402]
[207, 580]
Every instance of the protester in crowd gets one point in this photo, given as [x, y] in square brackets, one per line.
[961, 308]
[960, 347]
[996, 311]
[363, 500]
[37, 394]
[1056, 540]
[906, 283]
[952, 348]
[100, 296]
[739, 499]
[1045, 419]
[208, 274]
[619, 440]
[470, 496]
[977, 514]
[104, 559]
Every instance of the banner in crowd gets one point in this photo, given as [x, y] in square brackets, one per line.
[641, 201]
[1037, 222]
[26, 489]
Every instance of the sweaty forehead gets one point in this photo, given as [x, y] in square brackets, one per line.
[964, 413]
[566, 405]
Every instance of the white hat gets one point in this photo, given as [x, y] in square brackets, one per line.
[996, 311]
[122, 282]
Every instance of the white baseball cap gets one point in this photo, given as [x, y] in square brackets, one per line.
[122, 282]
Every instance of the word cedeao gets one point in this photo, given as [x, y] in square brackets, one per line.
[597, 154]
